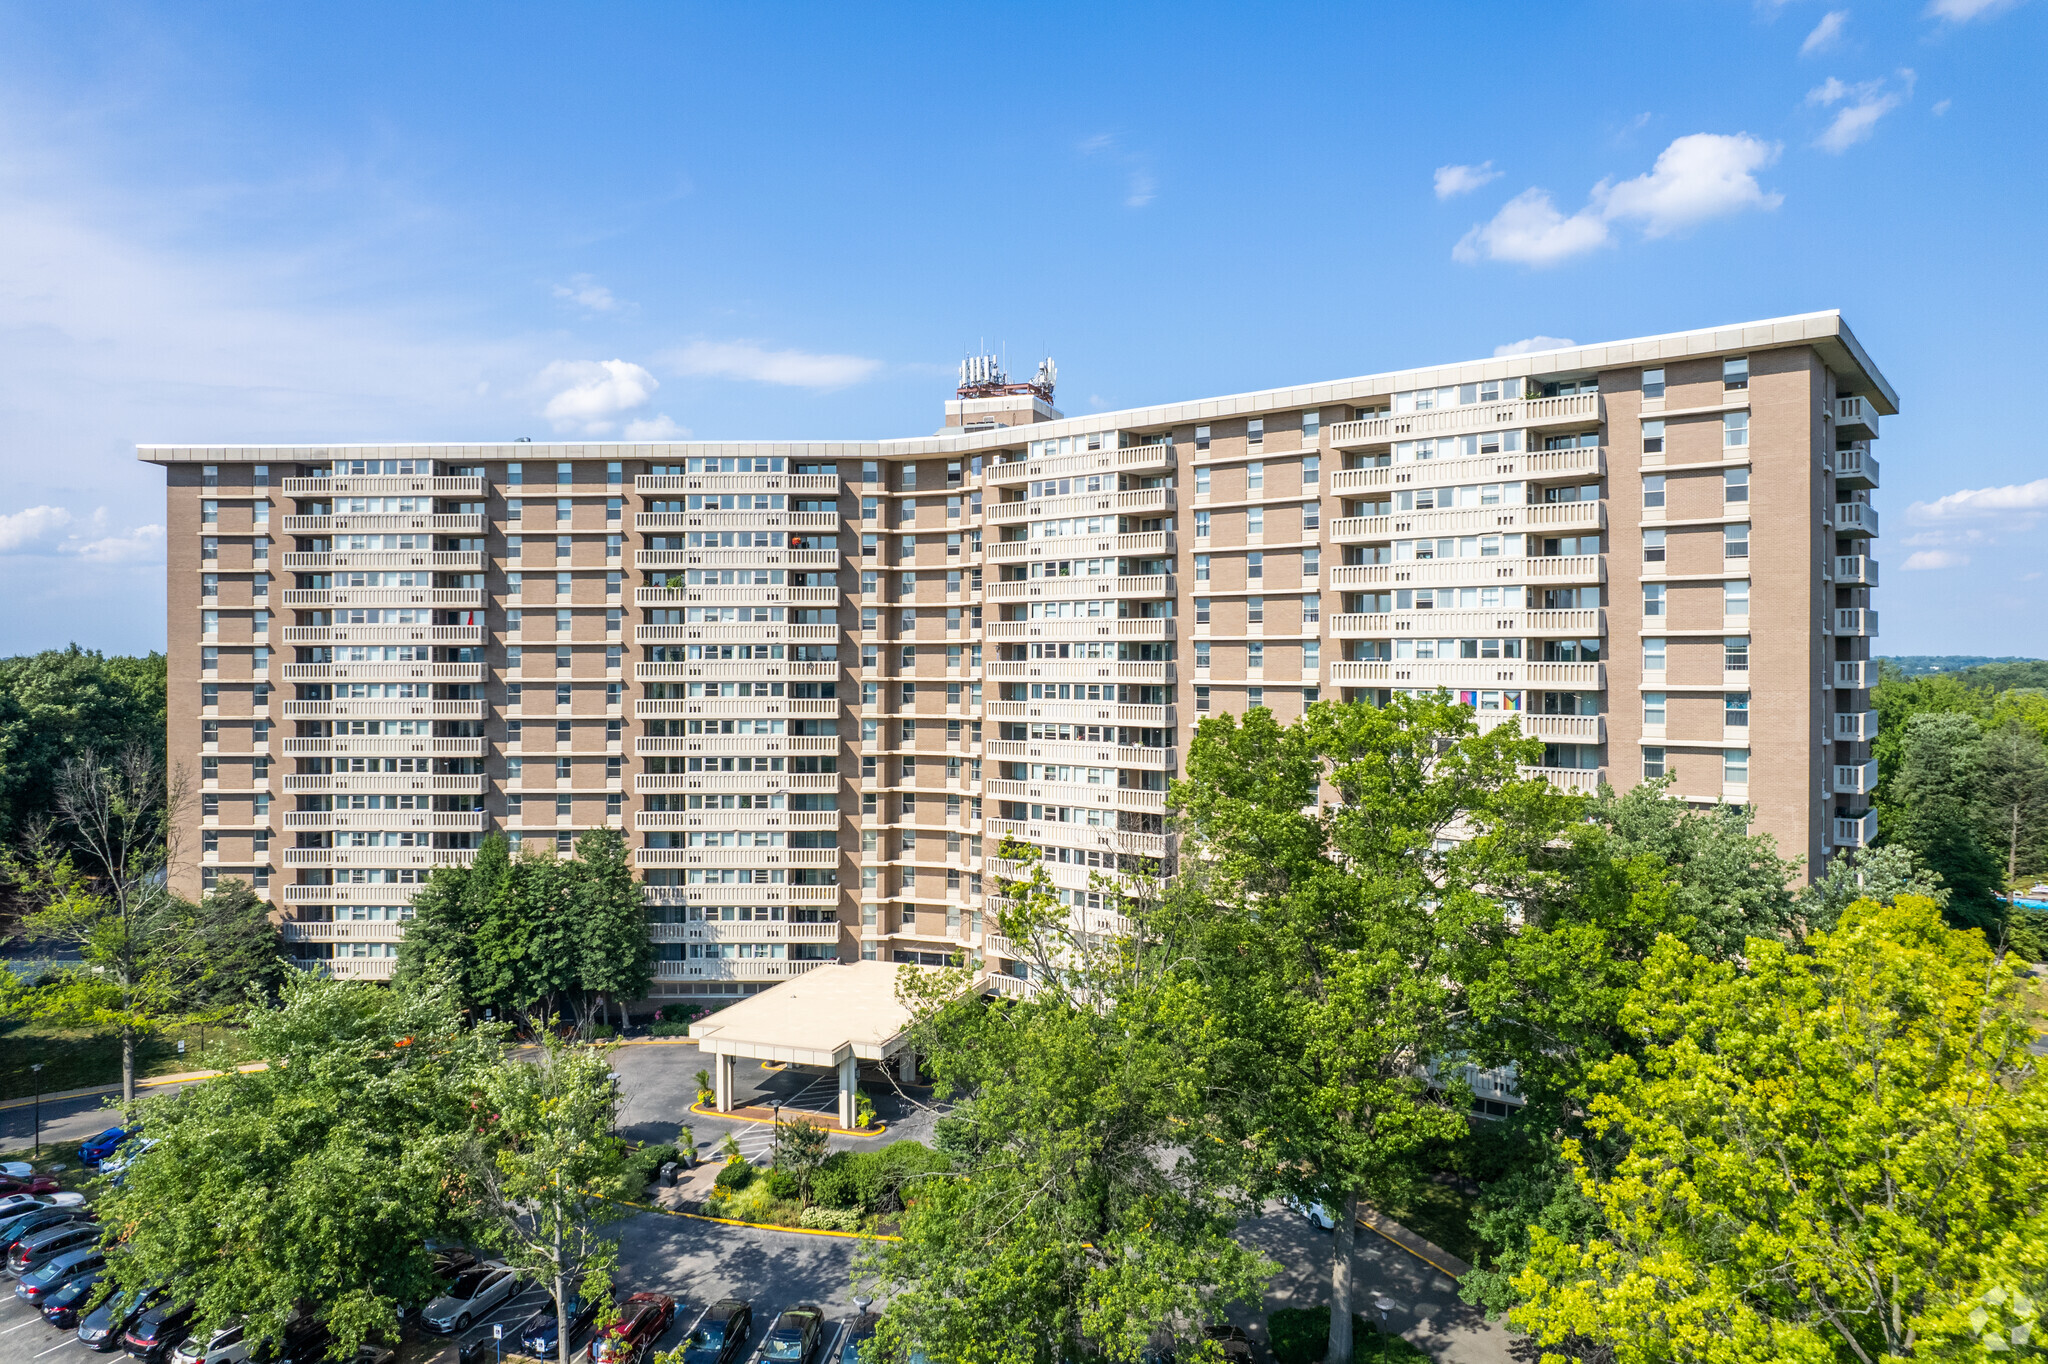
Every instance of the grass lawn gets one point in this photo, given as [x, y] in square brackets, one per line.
[76, 1059]
[1442, 1211]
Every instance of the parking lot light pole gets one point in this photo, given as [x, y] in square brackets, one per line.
[38, 1069]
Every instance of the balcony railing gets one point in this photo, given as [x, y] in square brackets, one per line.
[1856, 831]
[1856, 778]
[1417, 624]
[1577, 779]
[1855, 570]
[1474, 674]
[382, 521]
[1855, 620]
[1859, 726]
[751, 968]
[1581, 461]
[452, 561]
[1857, 673]
[1855, 414]
[736, 483]
[1538, 517]
[1473, 417]
[1855, 518]
[385, 484]
[384, 596]
[1855, 468]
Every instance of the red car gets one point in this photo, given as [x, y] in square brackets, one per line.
[34, 1184]
[642, 1319]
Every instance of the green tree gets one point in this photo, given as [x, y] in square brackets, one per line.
[615, 950]
[799, 1149]
[1882, 873]
[2012, 796]
[439, 946]
[1337, 939]
[535, 1176]
[1897, 699]
[1934, 813]
[60, 704]
[1827, 1153]
[1076, 1216]
[2028, 708]
[527, 951]
[235, 949]
[318, 1179]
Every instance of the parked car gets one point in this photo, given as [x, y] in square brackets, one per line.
[30, 1252]
[375, 1352]
[861, 1328]
[58, 1270]
[1236, 1346]
[29, 1184]
[720, 1335]
[795, 1335]
[473, 1294]
[93, 1150]
[19, 1228]
[642, 1319]
[537, 1335]
[225, 1346]
[129, 1153]
[20, 1169]
[64, 1305]
[101, 1329]
[1318, 1216]
[14, 1205]
[452, 1260]
[158, 1331]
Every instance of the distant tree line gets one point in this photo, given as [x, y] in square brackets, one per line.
[60, 703]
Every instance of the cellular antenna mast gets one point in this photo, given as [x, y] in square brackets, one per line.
[982, 376]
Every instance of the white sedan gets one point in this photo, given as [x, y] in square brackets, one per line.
[1318, 1216]
[471, 1297]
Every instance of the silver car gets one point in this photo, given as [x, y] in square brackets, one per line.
[471, 1297]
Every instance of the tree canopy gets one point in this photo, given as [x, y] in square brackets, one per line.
[59, 704]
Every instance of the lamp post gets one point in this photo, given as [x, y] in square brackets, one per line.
[38, 1069]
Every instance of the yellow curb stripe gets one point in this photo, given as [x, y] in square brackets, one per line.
[833, 1128]
[756, 1226]
[1410, 1249]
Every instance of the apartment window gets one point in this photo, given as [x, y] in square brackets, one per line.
[870, 471]
[1735, 541]
[1255, 698]
[1255, 565]
[1735, 372]
[209, 658]
[614, 473]
[1653, 490]
[1255, 656]
[1653, 383]
[1255, 433]
[209, 694]
[1202, 481]
[1201, 525]
[562, 659]
[1735, 430]
[259, 587]
[259, 548]
[1653, 599]
[514, 545]
[1653, 438]
[1201, 698]
[1653, 655]
[1255, 477]
[209, 476]
[1201, 568]
[562, 622]
[1735, 598]
[1201, 653]
[1201, 438]
[1653, 546]
[907, 477]
[209, 585]
[1311, 563]
[906, 511]
[1735, 654]
[1201, 610]
[1311, 430]
[209, 547]
[260, 513]
[259, 696]
[209, 731]
[564, 474]
[209, 512]
[1653, 763]
[259, 658]
[1255, 610]
[1735, 710]
[614, 509]
[1311, 609]
[260, 623]
[1653, 708]
[1255, 521]
[953, 466]
[1734, 485]
[515, 474]
[1735, 767]
[1311, 655]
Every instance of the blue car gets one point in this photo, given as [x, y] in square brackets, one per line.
[96, 1149]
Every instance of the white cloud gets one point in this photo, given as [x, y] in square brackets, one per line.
[1941, 107]
[1962, 11]
[590, 393]
[1863, 104]
[1533, 343]
[1141, 186]
[1529, 229]
[586, 293]
[1934, 558]
[745, 360]
[1826, 33]
[144, 544]
[25, 530]
[1976, 502]
[660, 427]
[1451, 181]
[1697, 177]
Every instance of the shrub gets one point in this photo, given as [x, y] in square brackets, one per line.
[643, 1165]
[784, 1184]
[603, 1032]
[667, 1029]
[1301, 1335]
[874, 1181]
[735, 1175]
[829, 1219]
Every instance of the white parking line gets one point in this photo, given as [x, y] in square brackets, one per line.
[24, 1326]
[54, 1348]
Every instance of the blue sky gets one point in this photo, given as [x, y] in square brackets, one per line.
[224, 223]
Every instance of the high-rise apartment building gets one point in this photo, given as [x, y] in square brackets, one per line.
[816, 684]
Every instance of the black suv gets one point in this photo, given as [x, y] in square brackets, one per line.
[159, 1331]
[33, 1250]
[720, 1335]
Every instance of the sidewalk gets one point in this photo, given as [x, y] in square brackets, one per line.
[149, 1082]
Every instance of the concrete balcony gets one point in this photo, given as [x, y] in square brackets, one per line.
[1132, 459]
[771, 668]
[1855, 518]
[1857, 727]
[383, 709]
[343, 930]
[1856, 620]
[1083, 628]
[769, 632]
[1856, 831]
[385, 596]
[735, 558]
[1858, 570]
[735, 857]
[735, 819]
[1583, 461]
[690, 596]
[360, 968]
[1858, 779]
[732, 706]
[379, 521]
[1471, 572]
[811, 484]
[386, 783]
[379, 857]
[384, 746]
[737, 520]
[752, 968]
[385, 634]
[1574, 624]
[754, 931]
[1855, 468]
[451, 561]
[1540, 518]
[1074, 671]
[1079, 712]
[1566, 729]
[385, 484]
[1470, 674]
[439, 821]
[383, 672]
[647, 747]
[1578, 780]
[1576, 410]
[1856, 417]
[1071, 546]
[387, 894]
[1151, 585]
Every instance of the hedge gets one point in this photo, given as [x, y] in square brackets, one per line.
[1301, 1335]
[874, 1181]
